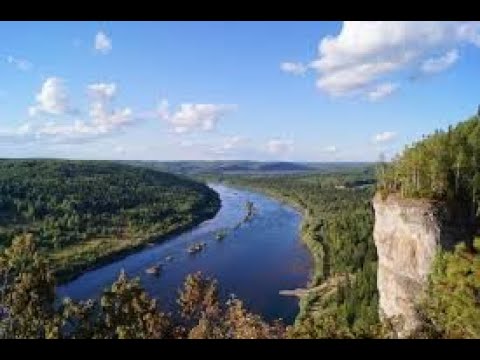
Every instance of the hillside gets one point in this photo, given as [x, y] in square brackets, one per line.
[244, 166]
[84, 212]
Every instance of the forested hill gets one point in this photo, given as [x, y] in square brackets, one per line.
[216, 167]
[84, 212]
[444, 166]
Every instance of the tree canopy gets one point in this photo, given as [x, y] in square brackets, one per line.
[85, 211]
[442, 166]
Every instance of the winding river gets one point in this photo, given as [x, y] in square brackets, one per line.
[254, 261]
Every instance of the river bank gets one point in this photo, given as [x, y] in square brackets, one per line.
[77, 260]
[254, 261]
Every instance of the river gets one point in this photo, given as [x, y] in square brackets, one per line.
[254, 261]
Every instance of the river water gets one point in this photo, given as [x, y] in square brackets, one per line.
[254, 261]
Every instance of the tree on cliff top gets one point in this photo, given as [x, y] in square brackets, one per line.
[442, 166]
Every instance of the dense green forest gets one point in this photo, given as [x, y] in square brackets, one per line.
[338, 228]
[442, 166]
[84, 212]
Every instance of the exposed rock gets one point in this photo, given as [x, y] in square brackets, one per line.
[408, 233]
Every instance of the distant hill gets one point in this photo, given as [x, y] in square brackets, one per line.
[284, 166]
[245, 166]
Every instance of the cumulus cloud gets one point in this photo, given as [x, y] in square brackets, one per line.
[295, 68]
[279, 146]
[102, 120]
[381, 91]
[52, 98]
[20, 64]
[103, 44]
[190, 117]
[365, 51]
[441, 63]
[384, 137]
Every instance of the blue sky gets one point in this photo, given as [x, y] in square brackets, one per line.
[298, 91]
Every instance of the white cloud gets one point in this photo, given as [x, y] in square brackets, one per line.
[52, 98]
[441, 63]
[364, 51]
[381, 91]
[106, 120]
[384, 137]
[191, 117]
[279, 146]
[295, 68]
[20, 64]
[103, 120]
[330, 149]
[103, 44]
[102, 91]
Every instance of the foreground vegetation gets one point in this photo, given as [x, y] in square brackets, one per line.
[84, 213]
[28, 308]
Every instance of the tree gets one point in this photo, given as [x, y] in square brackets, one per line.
[128, 312]
[28, 291]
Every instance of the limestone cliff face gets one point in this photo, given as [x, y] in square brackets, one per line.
[408, 234]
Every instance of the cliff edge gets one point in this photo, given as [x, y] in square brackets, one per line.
[408, 233]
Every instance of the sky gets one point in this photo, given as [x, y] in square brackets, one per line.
[283, 91]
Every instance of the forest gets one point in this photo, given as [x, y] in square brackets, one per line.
[342, 301]
[84, 212]
[442, 166]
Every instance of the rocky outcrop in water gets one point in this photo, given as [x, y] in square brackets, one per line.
[408, 233]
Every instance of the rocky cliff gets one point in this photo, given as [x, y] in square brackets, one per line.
[408, 233]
